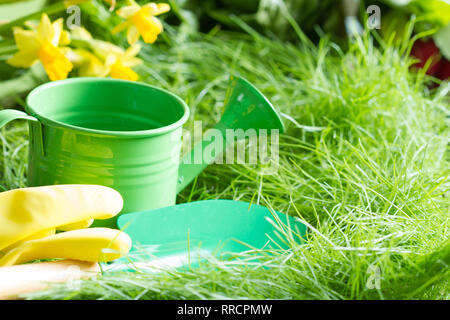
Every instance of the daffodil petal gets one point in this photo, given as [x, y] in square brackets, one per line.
[131, 62]
[119, 71]
[156, 24]
[26, 40]
[75, 56]
[152, 30]
[156, 9]
[162, 8]
[81, 55]
[22, 59]
[89, 65]
[56, 64]
[133, 50]
[64, 39]
[45, 28]
[93, 68]
[128, 11]
[110, 60]
[132, 35]
[80, 32]
[59, 69]
[120, 27]
[104, 49]
[57, 27]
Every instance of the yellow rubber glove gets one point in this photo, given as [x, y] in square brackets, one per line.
[76, 225]
[34, 236]
[93, 245]
[28, 211]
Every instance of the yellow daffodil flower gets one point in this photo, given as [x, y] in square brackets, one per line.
[41, 44]
[141, 21]
[106, 60]
[87, 63]
[80, 33]
[119, 62]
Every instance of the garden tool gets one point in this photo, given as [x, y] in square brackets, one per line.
[125, 135]
[32, 213]
[28, 278]
[177, 235]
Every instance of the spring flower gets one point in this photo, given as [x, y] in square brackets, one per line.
[119, 61]
[42, 44]
[87, 63]
[106, 60]
[80, 33]
[141, 21]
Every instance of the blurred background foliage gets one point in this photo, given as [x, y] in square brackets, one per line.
[276, 19]
[315, 17]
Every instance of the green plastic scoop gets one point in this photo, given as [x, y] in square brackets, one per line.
[178, 235]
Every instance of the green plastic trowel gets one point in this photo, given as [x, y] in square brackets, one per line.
[182, 234]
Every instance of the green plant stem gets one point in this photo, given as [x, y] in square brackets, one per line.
[52, 9]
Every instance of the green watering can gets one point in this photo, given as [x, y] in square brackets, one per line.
[125, 135]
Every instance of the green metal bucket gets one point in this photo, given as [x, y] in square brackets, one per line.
[121, 134]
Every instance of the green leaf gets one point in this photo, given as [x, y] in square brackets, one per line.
[398, 3]
[442, 40]
[17, 9]
[11, 89]
[435, 11]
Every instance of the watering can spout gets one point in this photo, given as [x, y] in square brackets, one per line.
[245, 108]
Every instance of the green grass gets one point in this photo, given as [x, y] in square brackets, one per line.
[364, 163]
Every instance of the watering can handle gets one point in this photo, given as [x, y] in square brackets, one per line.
[9, 115]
